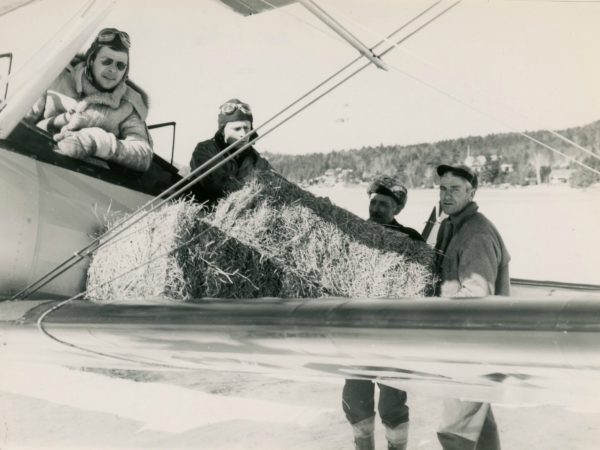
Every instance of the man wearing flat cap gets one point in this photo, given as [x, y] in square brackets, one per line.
[387, 197]
[473, 262]
[234, 127]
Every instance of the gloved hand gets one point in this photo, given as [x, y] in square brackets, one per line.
[70, 144]
[87, 142]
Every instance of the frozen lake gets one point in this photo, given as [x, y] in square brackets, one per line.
[550, 231]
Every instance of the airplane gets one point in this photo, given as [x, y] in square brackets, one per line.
[504, 350]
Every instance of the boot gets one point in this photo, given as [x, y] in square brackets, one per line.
[364, 443]
[397, 437]
[364, 434]
[397, 446]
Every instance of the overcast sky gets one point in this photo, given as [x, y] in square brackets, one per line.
[525, 64]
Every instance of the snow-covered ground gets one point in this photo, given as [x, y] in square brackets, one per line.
[60, 408]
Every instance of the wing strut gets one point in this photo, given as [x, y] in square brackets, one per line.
[48, 62]
[339, 29]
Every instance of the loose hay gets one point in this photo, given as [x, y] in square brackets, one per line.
[269, 239]
[345, 255]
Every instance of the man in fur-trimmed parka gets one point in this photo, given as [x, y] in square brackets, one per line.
[234, 126]
[93, 110]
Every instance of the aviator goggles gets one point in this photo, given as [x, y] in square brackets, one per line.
[109, 34]
[229, 108]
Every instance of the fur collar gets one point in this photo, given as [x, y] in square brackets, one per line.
[127, 90]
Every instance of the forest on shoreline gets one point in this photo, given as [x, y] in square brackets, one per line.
[506, 158]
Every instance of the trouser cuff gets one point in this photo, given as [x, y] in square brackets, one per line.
[397, 435]
[364, 428]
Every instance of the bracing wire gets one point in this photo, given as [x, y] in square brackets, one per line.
[480, 111]
[186, 183]
[16, 6]
[305, 22]
[40, 321]
[554, 133]
[80, 295]
[412, 33]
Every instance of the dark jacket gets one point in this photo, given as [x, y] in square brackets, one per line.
[412, 233]
[472, 258]
[227, 177]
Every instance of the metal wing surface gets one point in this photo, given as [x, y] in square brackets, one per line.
[249, 7]
[504, 350]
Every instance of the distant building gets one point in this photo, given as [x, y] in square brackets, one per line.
[329, 178]
[560, 176]
[332, 177]
[476, 163]
[506, 168]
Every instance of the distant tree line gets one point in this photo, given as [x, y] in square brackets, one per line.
[510, 158]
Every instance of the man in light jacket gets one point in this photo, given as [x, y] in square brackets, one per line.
[473, 262]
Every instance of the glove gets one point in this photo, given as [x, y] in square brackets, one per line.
[87, 142]
[69, 144]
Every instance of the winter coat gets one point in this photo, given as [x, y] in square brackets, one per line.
[227, 177]
[89, 122]
[472, 258]
[411, 232]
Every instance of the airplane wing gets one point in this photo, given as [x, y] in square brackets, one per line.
[249, 7]
[501, 350]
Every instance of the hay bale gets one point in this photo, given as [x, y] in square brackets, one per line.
[156, 234]
[269, 239]
[343, 254]
[190, 259]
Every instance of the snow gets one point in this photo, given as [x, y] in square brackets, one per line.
[68, 408]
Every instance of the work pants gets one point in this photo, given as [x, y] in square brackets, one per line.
[468, 426]
[358, 401]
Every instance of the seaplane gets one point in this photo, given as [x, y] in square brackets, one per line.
[540, 346]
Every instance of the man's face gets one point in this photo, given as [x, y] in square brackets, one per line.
[109, 66]
[383, 208]
[233, 131]
[455, 193]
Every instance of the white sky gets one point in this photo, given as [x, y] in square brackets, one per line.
[528, 64]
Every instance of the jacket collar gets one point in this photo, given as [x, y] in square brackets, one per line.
[85, 88]
[220, 140]
[393, 224]
[458, 219]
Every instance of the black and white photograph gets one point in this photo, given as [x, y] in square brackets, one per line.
[300, 224]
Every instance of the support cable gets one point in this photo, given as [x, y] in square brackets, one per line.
[554, 133]
[480, 111]
[188, 181]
